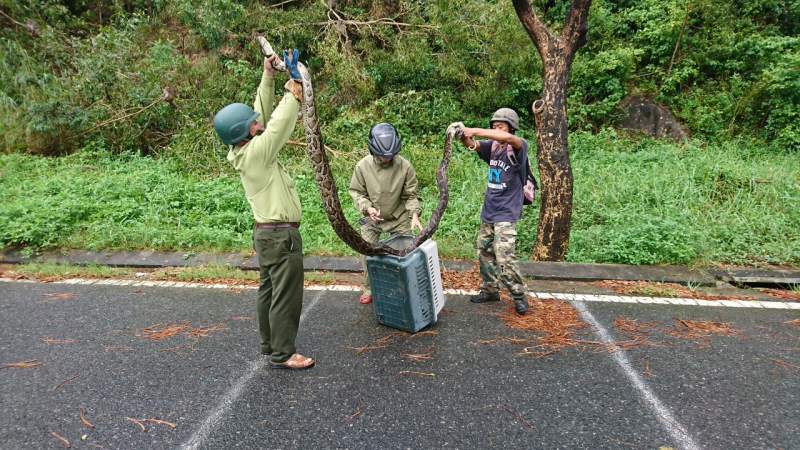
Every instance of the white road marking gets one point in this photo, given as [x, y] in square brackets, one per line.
[228, 399]
[233, 394]
[670, 424]
[725, 303]
[333, 287]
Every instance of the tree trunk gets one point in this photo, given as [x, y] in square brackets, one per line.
[552, 151]
[555, 170]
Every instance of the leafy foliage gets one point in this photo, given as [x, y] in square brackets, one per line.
[140, 171]
[642, 203]
[726, 69]
[210, 19]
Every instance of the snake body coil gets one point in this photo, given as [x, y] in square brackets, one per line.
[327, 185]
[329, 193]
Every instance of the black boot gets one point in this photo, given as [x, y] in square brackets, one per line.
[484, 297]
[521, 304]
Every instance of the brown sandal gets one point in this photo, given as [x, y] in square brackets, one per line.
[296, 362]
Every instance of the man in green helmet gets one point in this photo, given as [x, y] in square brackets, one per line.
[276, 209]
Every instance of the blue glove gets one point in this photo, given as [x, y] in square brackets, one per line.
[291, 63]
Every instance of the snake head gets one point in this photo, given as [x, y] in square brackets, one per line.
[267, 51]
[266, 48]
[456, 129]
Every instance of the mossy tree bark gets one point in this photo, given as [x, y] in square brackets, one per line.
[552, 151]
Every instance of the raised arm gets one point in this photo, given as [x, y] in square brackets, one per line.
[266, 90]
[279, 123]
[497, 135]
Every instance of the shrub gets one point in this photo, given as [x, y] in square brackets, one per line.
[211, 20]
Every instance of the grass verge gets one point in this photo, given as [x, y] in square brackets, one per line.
[642, 202]
[210, 273]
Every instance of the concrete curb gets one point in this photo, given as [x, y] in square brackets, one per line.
[534, 270]
[745, 275]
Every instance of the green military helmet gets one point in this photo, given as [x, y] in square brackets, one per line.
[232, 122]
[506, 115]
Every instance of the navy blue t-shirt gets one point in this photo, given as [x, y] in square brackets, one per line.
[503, 199]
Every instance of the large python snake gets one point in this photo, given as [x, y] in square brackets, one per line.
[327, 185]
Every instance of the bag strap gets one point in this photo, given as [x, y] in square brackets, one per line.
[522, 169]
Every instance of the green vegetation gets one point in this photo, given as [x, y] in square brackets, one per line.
[656, 202]
[206, 273]
[321, 277]
[647, 203]
[52, 270]
[654, 289]
[94, 158]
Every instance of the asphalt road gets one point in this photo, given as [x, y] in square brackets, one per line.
[462, 394]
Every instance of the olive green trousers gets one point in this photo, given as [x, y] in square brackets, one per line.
[280, 289]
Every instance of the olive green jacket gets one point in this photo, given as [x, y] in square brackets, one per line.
[390, 188]
[269, 189]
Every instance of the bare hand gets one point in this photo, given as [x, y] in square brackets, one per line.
[468, 133]
[268, 69]
[374, 214]
[415, 223]
[457, 129]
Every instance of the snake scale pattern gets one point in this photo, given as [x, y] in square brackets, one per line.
[327, 185]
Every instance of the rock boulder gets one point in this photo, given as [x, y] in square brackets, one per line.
[644, 115]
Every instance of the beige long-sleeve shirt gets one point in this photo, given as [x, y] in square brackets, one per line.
[389, 187]
[268, 187]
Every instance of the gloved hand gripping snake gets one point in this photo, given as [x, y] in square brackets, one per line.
[327, 185]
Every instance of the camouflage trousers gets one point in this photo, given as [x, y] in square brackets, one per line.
[498, 264]
[372, 231]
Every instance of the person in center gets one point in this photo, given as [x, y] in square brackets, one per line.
[384, 191]
[506, 154]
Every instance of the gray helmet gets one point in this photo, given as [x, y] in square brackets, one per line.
[384, 140]
[506, 115]
[232, 122]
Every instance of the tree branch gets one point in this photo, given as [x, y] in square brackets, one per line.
[533, 24]
[280, 4]
[383, 21]
[12, 20]
[678, 43]
[166, 96]
[576, 25]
